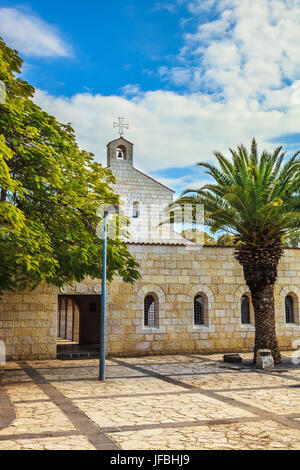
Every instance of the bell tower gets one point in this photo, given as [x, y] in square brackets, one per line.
[119, 153]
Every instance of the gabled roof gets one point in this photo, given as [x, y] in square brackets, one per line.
[119, 138]
[155, 181]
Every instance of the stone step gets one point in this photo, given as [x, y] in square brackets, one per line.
[72, 356]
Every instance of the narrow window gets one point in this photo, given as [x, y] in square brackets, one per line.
[136, 210]
[245, 310]
[150, 312]
[289, 309]
[199, 310]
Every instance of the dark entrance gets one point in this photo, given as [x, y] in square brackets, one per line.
[78, 323]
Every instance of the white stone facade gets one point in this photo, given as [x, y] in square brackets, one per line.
[141, 195]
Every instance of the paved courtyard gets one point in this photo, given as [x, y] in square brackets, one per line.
[160, 403]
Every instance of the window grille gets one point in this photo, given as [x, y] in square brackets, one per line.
[150, 312]
[289, 309]
[199, 310]
[136, 210]
[245, 310]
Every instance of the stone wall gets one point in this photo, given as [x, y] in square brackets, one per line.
[175, 275]
[28, 324]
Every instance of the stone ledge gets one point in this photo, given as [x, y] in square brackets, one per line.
[247, 328]
[148, 330]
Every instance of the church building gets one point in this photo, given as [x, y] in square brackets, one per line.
[190, 298]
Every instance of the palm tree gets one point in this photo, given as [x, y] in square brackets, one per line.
[256, 199]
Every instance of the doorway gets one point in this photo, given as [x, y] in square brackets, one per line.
[78, 324]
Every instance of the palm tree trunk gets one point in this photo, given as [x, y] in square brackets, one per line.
[260, 266]
[265, 329]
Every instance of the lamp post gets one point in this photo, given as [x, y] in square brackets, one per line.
[103, 303]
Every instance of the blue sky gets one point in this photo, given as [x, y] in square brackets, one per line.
[111, 44]
[191, 76]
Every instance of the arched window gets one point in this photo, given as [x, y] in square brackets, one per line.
[151, 312]
[136, 210]
[199, 304]
[245, 310]
[289, 309]
[121, 152]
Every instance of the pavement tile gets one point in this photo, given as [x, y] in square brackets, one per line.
[157, 402]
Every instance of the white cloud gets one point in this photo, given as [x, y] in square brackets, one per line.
[170, 6]
[131, 90]
[248, 50]
[182, 183]
[199, 6]
[30, 35]
[168, 129]
[238, 73]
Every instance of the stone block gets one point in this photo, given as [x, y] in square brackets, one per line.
[233, 358]
[264, 359]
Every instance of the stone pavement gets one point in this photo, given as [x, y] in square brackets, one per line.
[160, 402]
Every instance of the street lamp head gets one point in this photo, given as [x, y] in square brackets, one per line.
[108, 209]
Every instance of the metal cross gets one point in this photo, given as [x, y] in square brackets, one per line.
[121, 125]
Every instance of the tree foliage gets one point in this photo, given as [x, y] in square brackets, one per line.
[226, 240]
[256, 199]
[292, 240]
[50, 192]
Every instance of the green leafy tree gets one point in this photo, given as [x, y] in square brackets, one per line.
[194, 235]
[292, 240]
[226, 240]
[49, 194]
[255, 198]
[209, 240]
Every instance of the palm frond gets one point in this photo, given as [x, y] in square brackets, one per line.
[255, 197]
